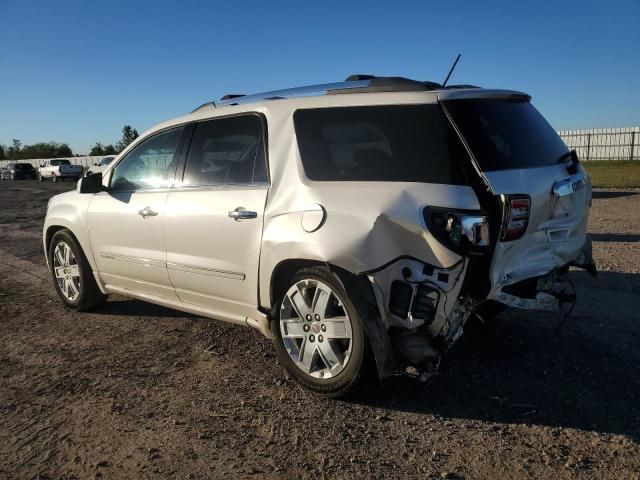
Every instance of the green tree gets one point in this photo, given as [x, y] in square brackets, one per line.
[2, 154]
[129, 134]
[38, 150]
[110, 150]
[13, 152]
[97, 149]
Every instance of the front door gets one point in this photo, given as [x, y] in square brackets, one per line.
[126, 222]
[214, 216]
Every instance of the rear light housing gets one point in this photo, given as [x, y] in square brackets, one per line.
[517, 209]
[463, 231]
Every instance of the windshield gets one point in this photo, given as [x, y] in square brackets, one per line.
[505, 134]
[60, 162]
[389, 143]
[106, 161]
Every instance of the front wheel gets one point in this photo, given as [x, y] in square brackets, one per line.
[72, 276]
[318, 336]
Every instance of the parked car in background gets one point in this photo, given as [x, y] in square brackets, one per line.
[18, 171]
[59, 169]
[355, 222]
[101, 165]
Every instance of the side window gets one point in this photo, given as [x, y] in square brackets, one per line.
[389, 143]
[227, 151]
[150, 164]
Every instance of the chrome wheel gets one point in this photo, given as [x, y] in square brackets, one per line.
[66, 270]
[316, 329]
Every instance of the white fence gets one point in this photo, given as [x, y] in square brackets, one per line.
[604, 143]
[84, 161]
[594, 144]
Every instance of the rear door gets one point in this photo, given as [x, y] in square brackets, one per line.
[214, 215]
[545, 195]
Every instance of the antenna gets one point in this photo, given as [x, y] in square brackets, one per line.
[444, 84]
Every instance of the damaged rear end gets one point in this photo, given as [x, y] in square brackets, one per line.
[538, 192]
[515, 249]
[467, 200]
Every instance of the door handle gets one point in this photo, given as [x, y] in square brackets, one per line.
[241, 214]
[147, 212]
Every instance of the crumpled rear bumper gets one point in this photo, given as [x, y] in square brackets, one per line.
[546, 291]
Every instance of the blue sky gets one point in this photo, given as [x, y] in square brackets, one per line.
[76, 71]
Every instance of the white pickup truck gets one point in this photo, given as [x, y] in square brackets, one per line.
[59, 169]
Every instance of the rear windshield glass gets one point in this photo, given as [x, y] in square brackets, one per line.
[506, 134]
[23, 166]
[60, 162]
[391, 143]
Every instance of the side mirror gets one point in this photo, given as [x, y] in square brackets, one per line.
[91, 183]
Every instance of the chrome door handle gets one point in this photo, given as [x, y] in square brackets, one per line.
[147, 212]
[241, 214]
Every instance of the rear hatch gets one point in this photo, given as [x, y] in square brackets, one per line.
[543, 191]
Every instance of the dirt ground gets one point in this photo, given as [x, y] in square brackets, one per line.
[137, 391]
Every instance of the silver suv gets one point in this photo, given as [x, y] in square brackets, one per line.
[357, 224]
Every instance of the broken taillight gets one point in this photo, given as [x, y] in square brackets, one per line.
[516, 218]
[463, 231]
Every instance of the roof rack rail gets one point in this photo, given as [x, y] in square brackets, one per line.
[353, 84]
[232, 95]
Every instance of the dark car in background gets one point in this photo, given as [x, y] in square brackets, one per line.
[18, 171]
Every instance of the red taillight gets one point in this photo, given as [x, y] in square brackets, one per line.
[516, 217]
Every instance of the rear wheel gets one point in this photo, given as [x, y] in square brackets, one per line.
[72, 276]
[318, 336]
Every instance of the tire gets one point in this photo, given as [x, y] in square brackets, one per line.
[39, 177]
[77, 271]
[301, 334]
[54, 178]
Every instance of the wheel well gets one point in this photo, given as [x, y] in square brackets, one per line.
[51, 231]
[361, 294]
[283, 272]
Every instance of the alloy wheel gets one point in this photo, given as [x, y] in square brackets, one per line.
[66, 270]
[316, 329]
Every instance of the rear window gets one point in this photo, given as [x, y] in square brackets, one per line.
[23, 166]
[60, 162]
[506, 134]
[391, 143]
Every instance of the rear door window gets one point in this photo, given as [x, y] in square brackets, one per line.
[506, 134]
[401, 143]
[227, 150]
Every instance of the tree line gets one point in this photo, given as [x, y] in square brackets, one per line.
[18, 151]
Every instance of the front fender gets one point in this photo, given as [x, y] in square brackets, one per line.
[69, 210]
